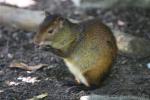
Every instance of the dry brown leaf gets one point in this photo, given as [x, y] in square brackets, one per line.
[24, 66]
[39, 97]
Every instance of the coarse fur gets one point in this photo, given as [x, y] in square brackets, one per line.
[88, 48]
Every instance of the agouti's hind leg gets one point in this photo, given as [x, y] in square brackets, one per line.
[94, 76]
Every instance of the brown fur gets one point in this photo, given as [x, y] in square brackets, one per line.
[90, 48]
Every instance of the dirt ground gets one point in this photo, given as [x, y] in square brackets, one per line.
[129, 76]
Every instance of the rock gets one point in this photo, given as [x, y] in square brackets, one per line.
[100, 97]
[148, 65]
[131, 45]
[76, 2]
[112, 3]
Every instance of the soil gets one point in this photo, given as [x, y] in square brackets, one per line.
[128, 76]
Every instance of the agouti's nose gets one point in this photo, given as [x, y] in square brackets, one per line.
[36, 41]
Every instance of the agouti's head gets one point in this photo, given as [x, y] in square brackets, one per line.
[55, 31]
[49, 30]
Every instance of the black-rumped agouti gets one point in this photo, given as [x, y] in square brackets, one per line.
[88, 48]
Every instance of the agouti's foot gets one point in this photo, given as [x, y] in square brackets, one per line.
[74, 87]
[78, 88]
[69, 83]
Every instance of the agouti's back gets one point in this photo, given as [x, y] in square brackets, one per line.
[94, 53]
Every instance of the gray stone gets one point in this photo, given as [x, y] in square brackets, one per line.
[131, 45]
[100, 97]
[113, 3]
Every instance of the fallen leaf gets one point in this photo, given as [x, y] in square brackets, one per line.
[24, 66]
[28, 79]
[39, 97]
[12, 83]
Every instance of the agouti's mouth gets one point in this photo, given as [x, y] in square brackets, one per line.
[46, 47]
[43, 47]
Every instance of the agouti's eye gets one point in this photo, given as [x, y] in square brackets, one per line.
[50, 31]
